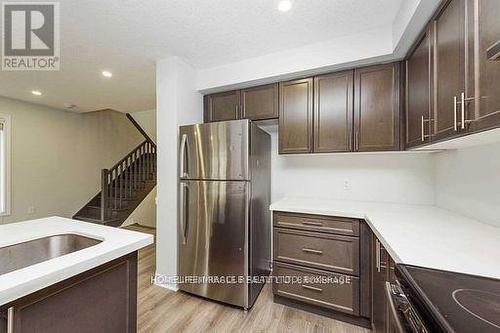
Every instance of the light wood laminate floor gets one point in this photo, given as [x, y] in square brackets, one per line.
[162, 310]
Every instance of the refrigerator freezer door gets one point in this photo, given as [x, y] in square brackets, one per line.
[213, 239]
[214, 151]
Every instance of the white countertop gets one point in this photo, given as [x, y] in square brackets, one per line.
[417, 234]
[115, 243]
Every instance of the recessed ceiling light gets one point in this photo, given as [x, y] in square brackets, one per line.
[284, 5]
[36, 92]
[107, 74]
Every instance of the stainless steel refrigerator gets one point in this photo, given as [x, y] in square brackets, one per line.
[224, 228]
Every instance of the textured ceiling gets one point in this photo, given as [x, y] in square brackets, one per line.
[127, 36]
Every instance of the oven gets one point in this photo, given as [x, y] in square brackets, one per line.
[402, 316]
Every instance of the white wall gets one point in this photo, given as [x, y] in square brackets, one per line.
[352, 50]
[389, 177]
[468, 182]
[178, 103]
[57, 156]
[383, 44]
[147, 120]
[145, 213]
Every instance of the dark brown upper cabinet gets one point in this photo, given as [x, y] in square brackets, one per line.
[259, 103]
[465, 86]
[483, 85]
[418, 93]
[376, 108]
[333, 112]
[296, 113]
[449, 69]
[256, 103]
[222, 106]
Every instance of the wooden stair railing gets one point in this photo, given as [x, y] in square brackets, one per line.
[126, 177]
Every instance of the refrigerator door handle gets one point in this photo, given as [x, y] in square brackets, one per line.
[182, 168]
[182, 212]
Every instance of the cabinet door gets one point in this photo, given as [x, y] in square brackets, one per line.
[3, 321]
[222, 106]
[449, 68]
[418, 93]
[379, 278]
[376, 111]
[391, 325]
[103, 299]
[259, 103]
[296, 112]
[485, 105]
[333, 112]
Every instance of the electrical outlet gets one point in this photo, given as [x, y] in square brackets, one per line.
[347, 185]
[31, 210]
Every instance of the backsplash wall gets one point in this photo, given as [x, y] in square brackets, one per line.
[468, 182]
[388, 177]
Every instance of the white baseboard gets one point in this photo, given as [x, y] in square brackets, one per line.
[168, 286]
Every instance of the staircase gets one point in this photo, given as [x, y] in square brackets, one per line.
[123, 187]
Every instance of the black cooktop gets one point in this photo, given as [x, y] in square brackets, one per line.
[452, 302]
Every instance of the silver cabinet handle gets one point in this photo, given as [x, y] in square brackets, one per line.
[182, 167]
[236, 112]
[455, 125]
[464, 99]
[463, 110]
[182, 212]
[312, 288]
[10, 320]
[422, 125]
[423, 132]
[377, 255]
[305, 249]
[317, 224]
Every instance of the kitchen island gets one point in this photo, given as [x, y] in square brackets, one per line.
[58, 274]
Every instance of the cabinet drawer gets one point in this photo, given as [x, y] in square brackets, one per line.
[340, 292]
[330, 224]
[317, 250]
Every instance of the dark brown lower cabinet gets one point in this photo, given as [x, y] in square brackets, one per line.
[382, 272]
[392, 326]
[379, 278]
[103, 299]
[318, 268]
[3, 322]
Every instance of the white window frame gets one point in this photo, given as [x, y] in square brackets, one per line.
[5, 165]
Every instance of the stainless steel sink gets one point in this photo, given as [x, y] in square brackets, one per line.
[28, 253]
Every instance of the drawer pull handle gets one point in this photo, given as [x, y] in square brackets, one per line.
[10, 320]
[317, 224]
[312, 251]
[312, 288]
